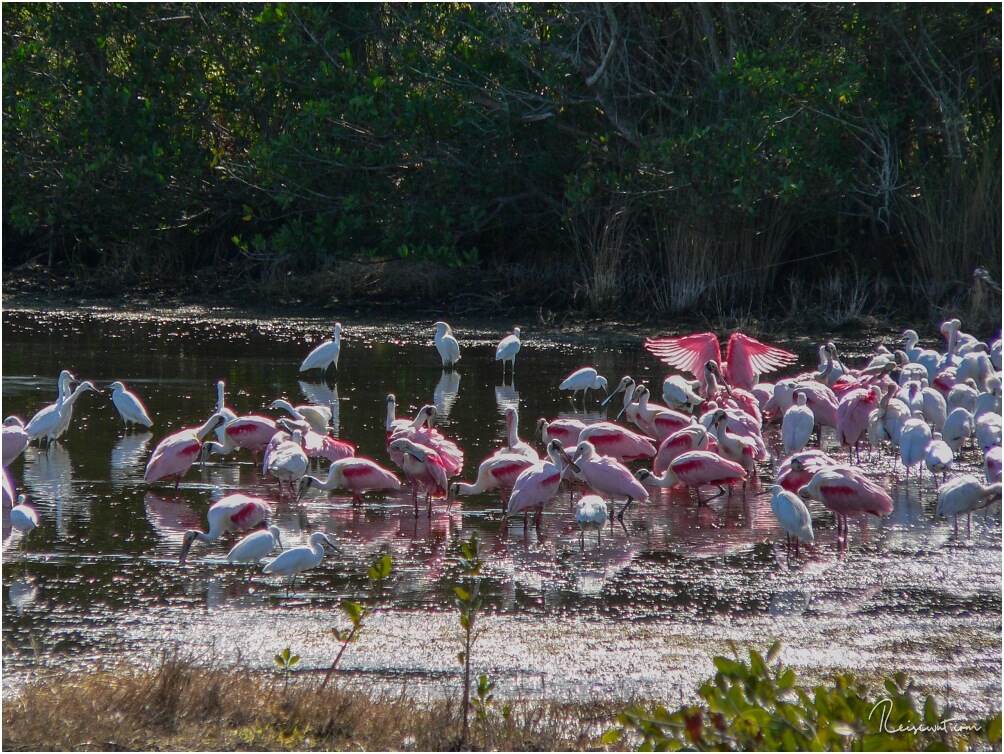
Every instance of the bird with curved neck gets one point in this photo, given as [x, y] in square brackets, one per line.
[233, 513]
[358, 475]
[325, 354]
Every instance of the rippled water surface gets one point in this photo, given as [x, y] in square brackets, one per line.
[640, 612]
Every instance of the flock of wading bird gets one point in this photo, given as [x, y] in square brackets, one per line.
[924, 406]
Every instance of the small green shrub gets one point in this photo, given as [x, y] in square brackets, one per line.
[759, 706]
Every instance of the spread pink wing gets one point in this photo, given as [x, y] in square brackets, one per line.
[747, 357]
[688, 353]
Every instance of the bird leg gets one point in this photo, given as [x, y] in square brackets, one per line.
[620, 515]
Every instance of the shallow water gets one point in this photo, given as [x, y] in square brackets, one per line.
[639, 613]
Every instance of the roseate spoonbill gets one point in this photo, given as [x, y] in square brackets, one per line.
[232, 513]
[252, 432]
[298, 559]
[23, 517]
[930, 401]
[422, 431]
[581, 380]
[507, 349]
[745, 358]
[926, 357]
[318, 417]
[853, 411]
[255, 546]
[832, 368]
[697, 468]
[590, 513]
[938, 458]
[52, 421]
[958, 429]
[913, 442]
[990, 401]
[15, 439]
[797, 425]
[288, 462]
[499, 471]
[566, 431]
[536, 485]
[844, 491]
[129, 406]
[617, 442]
[963, 395]
[446, 344]
[175, 454]
[325, 354]
[423, 467]
[225, 444]
[658, 421]
[793, 516]
[626, 386]
[358, 475]
[965, 494]
[987, 430]
[797, 471]
[513, 443]
[818, 397]
[734, 447]
[992, 463]
[694, 437]
[975, 366]
[681, 394]
[607, 476]
[392, 424]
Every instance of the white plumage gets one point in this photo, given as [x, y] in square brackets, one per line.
[590, 513]
[325, 354]
[507, 349]
[447, 345]
[792, 514]
[255, 546]
[965, 494]
[129, 406]
[582, 380]
[796, 426]
[298, 559]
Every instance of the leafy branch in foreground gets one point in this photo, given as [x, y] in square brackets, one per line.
[378, 573]
[759, 706]
[469, 603]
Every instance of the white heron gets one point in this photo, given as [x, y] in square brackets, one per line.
[447, 345]
[797, 425]
[507, 349]
[793, 515]
[325, 354]
[129, 406]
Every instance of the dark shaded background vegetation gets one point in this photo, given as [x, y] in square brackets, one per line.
[719, 159]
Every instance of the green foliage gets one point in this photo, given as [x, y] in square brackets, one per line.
[759, 706]
[468, 603]
[286, 659]
[277, 137]
[378, 574]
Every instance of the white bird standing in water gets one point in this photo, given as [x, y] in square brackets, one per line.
[325, 354]
[590, 513]
[793, 515]
[298, 559]
[255, 546]
[507, 349]
[129, 406]
[447, 345]
[797, 425]
[582, 380]
[23, 518]
[965, 494]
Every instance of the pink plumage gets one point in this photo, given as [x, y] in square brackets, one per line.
[745, 357]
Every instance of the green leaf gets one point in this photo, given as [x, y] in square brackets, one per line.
[994, 729]
[612, 736]
[461, 593]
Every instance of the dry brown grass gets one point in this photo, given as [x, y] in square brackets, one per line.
[184, 706]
